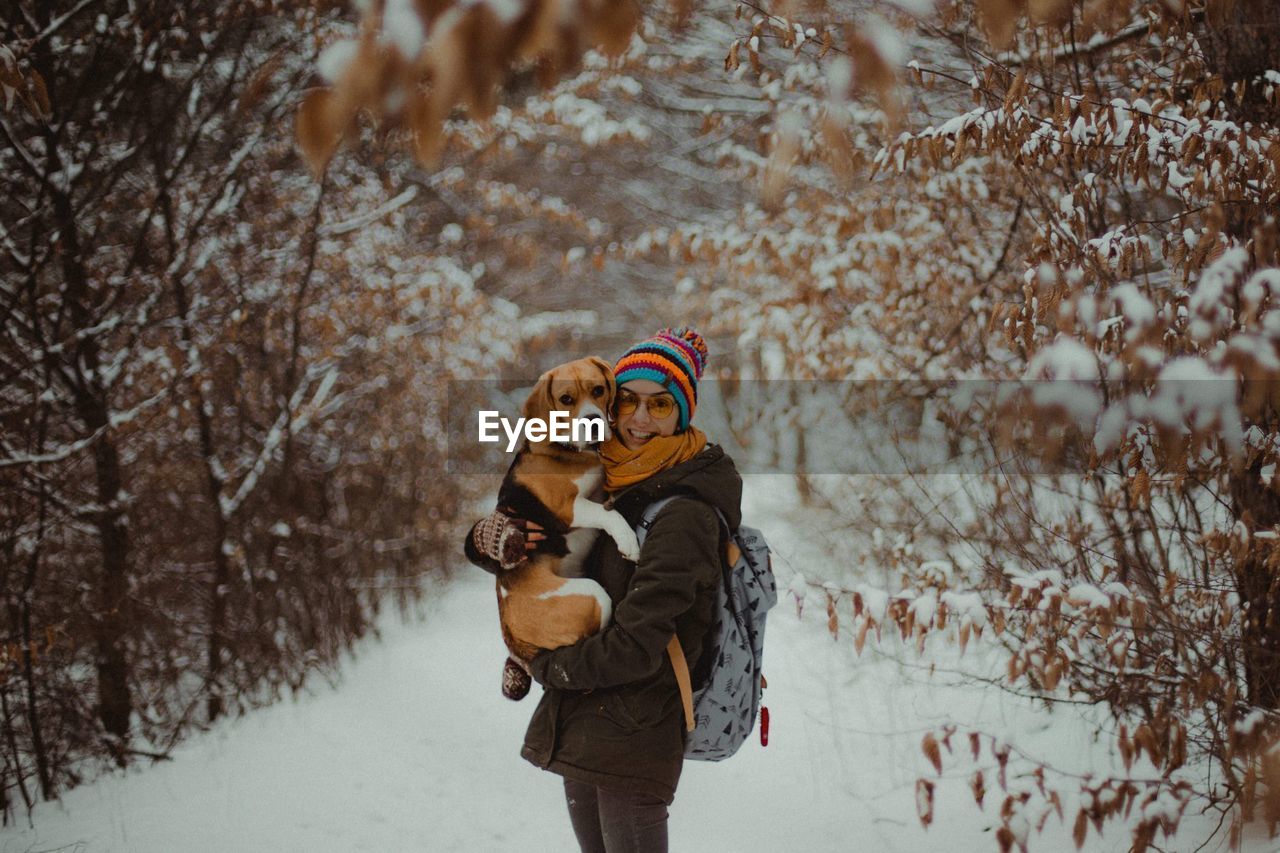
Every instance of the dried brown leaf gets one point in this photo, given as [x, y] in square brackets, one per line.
[1080, 830]
[979, 786]
[1052, 673]
[929, 746]
[1049, 11]
[319, 131]
[1144, 739]
[999, 21]
[39, 97]
[258, 86]
[1056, 802]
[777, 170]
[613, 26]
[924, 802]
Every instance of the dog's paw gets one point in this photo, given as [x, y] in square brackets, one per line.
[515, 681]
[628, 545]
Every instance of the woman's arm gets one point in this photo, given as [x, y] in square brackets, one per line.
[679, 554]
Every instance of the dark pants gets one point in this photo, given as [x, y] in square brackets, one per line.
[616, 821]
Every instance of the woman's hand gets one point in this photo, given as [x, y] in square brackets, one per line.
[532, 533]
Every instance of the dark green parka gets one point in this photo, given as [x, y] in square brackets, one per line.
[611, 714]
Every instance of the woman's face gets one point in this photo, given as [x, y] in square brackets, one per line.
[637, 427]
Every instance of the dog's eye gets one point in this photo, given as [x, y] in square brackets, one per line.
[566, 399]
[597, 391]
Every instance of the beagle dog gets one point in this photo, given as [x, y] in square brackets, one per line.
[546, 603]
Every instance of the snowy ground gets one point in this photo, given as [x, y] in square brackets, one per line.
[416, 751]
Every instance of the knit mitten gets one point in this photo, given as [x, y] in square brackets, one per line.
[515, 680]
[499, 538]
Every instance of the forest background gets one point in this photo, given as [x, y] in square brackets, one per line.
[253, 254]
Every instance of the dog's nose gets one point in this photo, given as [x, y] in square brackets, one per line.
[597, 426]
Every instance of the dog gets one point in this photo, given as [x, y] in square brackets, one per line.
[546, 603]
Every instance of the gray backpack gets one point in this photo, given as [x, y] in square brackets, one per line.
[725, 705]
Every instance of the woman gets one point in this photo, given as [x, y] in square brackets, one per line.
[610, 720]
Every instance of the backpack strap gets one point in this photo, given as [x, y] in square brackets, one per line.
[678, 662]
[674, 650]
[650, 514]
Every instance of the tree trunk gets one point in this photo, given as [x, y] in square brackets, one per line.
[218, 585]
[1241, 43]
[11, 739]
[1259, 590]
[218, 594]
[92, 407]
[115, 703]
[33, 713]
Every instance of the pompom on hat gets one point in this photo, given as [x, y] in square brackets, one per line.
[675, 359]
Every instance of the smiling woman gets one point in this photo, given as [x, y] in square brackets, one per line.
[611, 720]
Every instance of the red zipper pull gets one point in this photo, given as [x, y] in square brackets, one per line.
[764, 726]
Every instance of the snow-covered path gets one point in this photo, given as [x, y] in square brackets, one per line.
[417, 751]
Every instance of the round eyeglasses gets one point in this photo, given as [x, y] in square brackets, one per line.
[659, 406]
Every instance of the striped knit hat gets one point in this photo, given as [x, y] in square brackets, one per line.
[674, 358]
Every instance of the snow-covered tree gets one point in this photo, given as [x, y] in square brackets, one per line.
[1076, 201]
[1094, 230]
[221, 405]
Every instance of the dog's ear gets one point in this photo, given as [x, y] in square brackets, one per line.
[610, 384]
[538, 404]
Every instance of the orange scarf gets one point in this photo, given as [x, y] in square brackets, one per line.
[623, 467]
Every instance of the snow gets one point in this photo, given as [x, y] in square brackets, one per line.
[403, 27]
[1247, 726]
[1208, 303]
[335, 58]
[967, 606]
[839, 76]
[874, 602]
[1087, 596]
[1188, 388]
[1064, 359]
[1136, 307]
[416, 750]
[1263, 283]
[357, 222]
[915, 7]
[886, 39]
[925, 607]
[1177, 180]
[1070, 368]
